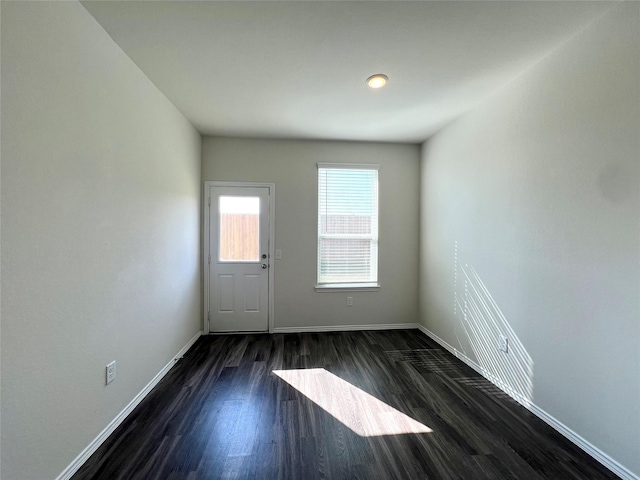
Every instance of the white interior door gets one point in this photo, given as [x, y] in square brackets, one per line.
[239, 259]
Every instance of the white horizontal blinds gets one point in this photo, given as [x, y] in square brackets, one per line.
[347, 224]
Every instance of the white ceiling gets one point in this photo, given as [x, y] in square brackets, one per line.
[298, 69]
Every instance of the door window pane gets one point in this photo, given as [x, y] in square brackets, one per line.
[239, 229]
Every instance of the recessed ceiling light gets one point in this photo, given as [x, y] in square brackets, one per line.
[377, 81]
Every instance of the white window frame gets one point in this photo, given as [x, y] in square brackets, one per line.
[342, 287]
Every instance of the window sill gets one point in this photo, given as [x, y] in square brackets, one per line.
[348, 287]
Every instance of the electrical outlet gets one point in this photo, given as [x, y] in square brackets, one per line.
[111, 372]
[503, 344]
[349, 301]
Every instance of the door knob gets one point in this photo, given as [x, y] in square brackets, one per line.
[264, 265]
[264, 255]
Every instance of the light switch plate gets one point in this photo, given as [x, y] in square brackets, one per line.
[111, 372]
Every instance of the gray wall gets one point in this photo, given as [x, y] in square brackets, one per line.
[531, 215]
[291, 165]
[100, 222]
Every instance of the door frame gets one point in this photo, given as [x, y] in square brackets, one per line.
[207, 230]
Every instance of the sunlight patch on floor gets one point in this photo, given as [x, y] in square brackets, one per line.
[364, 414]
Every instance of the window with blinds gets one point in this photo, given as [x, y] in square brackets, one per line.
[347, 224]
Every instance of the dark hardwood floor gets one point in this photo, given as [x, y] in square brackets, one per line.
[221, 412]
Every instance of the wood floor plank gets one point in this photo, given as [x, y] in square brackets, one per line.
[222, 413]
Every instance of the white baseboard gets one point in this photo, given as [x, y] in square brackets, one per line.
[104, 434]
[585, 445]
[346, 328]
